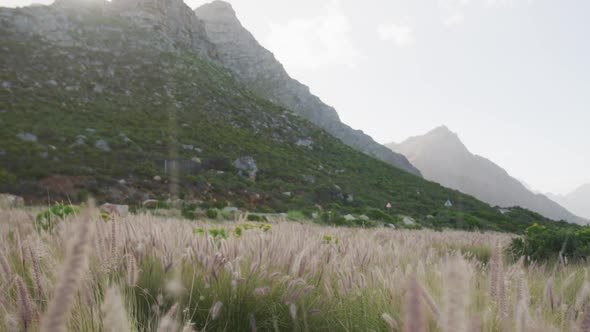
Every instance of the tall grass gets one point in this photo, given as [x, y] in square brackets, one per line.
[145, 273]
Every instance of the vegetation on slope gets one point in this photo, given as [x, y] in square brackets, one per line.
[105, 123]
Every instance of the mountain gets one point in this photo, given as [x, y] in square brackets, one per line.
[578, 201]
[442, 157]
[258, 69]
[131, 100]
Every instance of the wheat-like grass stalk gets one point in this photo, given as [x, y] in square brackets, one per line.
[25, 305]
[5, 267]
[75, 263]
[114, 314]
[132, 271]
[585, 323]
[36, 271]
[393, 326]
[456, 295]
[215, 310]
[168, 322]
[414, 318]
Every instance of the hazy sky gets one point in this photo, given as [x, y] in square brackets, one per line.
[511, 77]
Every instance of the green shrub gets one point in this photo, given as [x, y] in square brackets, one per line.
[376, 214]
[211, 213]
[220, 232]
[295, 215]
[541, 243]
[188, 211]
[46, 220]
[255, 217]
[6, 177]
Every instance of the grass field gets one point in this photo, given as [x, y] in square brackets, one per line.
[145, 273]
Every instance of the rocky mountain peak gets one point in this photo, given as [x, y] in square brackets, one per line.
[218, 10]
[438, 140]
[443, 132]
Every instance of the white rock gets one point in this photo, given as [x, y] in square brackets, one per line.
[11, 201]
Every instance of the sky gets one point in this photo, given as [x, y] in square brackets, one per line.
[510, 77]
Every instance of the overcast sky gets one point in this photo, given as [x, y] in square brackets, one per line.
[511, 77]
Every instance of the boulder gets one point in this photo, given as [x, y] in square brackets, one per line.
[114, 209]
[231, 209]
[27, 137]
[246, 167]
[392, 226]
[101, 144]
[150, 203]
[306, 143]
[11, 201]
[409, 221]
[349, 217]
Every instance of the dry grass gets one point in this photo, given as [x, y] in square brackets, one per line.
[145, 273]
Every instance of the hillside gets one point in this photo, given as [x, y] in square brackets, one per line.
[578, 201]
[127, 101]
[442, 157]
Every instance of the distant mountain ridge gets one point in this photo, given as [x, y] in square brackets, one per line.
[442, 157]
[578, 201]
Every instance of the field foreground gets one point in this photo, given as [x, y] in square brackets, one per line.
[145, 273]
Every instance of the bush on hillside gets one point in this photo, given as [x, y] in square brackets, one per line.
[541, 243]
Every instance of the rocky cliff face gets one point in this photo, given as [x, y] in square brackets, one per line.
[442, 157]
[256, 67]
[164, 25]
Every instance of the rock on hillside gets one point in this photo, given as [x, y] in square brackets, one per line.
[257, 67]
[442, 157]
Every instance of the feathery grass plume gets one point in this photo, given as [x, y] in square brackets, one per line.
[131, 271]
[168, 322]
[390, 321]
[564, 286]
[456, 293]
[582, 296]
[261, 291]
[521, 301]
[10, 323]
[25, 306]
[36, 271]
[73, 267]
[496, 274]
[252, 321]
[20, 247]
[293, 311]
[114, 314]
[548, 292]
[585, 323]
[113, 262]
[5, 267]
[188, 328]
[413, 318]
[430, 303]
[215, 310]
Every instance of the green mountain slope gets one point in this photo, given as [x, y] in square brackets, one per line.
[88, 119]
